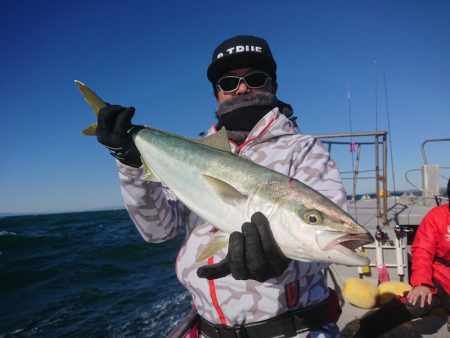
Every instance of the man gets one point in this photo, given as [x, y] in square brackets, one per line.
[250, 286]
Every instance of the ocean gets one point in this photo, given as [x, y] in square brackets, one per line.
[87, 274]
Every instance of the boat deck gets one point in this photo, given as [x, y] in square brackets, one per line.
[432, 326]
[410, 210]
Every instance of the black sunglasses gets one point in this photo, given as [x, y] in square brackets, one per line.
[230, 83]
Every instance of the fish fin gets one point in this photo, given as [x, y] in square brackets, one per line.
[148, 173]
[217, 242]
[218, 140]
[225, 191]
[91, 130]
[95, 102]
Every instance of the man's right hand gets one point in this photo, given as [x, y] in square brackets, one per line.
[113, 125]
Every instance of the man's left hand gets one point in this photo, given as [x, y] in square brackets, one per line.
[422, 293]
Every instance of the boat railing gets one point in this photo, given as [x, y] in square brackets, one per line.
[434, 140]
[377, 140]
[432, 174]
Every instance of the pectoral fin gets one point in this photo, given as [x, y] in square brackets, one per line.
[225, 191]
[148, 173]
[217, 242]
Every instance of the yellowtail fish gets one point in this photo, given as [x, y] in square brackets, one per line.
[225, 190]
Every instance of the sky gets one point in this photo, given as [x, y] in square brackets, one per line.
[391, 57]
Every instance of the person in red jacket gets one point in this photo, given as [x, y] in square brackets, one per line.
[431, 257]
[430, 277]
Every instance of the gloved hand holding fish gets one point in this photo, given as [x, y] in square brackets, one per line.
[226, 190]
[252, 254]
[114, 122]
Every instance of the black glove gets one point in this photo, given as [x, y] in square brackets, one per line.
[252, 254]
[113, 123]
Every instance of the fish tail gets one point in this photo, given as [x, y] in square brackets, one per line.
[94, 101]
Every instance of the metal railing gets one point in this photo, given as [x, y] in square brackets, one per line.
[424, 155]
[380, 146]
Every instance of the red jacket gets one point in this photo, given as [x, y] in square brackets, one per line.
[432, 239]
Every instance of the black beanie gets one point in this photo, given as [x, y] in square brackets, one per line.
[239, 52]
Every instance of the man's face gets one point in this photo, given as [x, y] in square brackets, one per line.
[243, 88]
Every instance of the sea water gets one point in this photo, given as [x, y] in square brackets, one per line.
[86, 274]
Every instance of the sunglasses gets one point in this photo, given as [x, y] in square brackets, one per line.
[230, 83]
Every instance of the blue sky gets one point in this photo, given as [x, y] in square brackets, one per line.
[154, 54]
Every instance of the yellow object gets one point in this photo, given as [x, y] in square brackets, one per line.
[381, 193]
[360, 293]
[388, 290]
[366, 268]
[94, 102]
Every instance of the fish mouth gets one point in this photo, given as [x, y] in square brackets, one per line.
[337, 241]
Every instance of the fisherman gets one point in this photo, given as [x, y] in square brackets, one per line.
[430, 277]
[249, 288]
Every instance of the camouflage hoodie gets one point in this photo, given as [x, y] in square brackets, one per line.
[275, 143]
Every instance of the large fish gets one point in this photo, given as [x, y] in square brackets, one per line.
[225, 190]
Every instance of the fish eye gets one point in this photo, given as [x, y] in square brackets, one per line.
[313, 217]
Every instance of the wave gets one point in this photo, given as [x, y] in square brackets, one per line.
[86, 274]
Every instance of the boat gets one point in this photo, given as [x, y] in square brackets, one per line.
[391, 216]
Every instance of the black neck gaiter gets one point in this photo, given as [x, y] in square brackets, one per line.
[242, 112]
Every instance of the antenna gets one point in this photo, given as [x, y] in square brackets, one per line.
[349, 99]
[389, 133]
[352, 146]
[375, 79]
[352, 149]
[377, 159]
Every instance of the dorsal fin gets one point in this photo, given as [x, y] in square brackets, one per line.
[218, 140]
